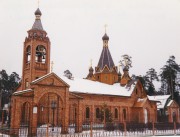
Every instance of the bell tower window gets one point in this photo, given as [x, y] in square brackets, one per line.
[26, 84]
[40, 54]
[28, 54]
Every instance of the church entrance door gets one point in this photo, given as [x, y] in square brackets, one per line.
[50, 110]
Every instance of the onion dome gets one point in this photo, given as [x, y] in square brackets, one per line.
[105, 37]
[37, 24]
[125, 68]
[91, 69]
[38, 12]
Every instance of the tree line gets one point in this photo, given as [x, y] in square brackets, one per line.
[8, 83]
[169, 79]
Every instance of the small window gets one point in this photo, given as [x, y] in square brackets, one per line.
[124, 114]
[97, 113]
[87, 112]
[75, 113]
[97, 77]
[116, 113]
[28, 54]
[26, 84]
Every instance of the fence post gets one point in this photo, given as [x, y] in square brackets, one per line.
[174, 128]
[47, 130]
[91, 133]
[125, 129]
[153, 127]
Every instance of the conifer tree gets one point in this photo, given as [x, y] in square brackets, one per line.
[169, 78]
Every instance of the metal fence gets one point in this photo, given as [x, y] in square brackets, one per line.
[96, 130]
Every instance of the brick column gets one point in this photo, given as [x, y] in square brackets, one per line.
[120, 115]
[33, 122]
[79, 117]
[15, 115]
[92, 114]
[65, 117]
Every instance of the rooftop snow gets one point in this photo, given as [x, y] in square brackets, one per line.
[21, 92]
[161, 98]
[170, 102]
[93, 87]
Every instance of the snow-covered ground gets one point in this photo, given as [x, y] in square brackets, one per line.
[42, 132]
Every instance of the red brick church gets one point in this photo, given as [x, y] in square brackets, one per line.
[44, 97]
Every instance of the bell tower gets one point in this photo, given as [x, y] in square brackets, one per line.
[36, 53]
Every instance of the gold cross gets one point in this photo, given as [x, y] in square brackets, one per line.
[52, 63]
[105, 26]
[91, 63]
[38, 3]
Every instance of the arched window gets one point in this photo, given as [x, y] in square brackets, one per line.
[97, 113]
[40, 54]
[75, 113]
[28, 54]
[87, 112]
[25, 113]
[124, 114]
[116, 113]
[26, 83]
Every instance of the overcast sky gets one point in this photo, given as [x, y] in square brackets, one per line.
[147, 30]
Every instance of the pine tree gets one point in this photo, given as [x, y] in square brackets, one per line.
[151, 75]
[169, 78]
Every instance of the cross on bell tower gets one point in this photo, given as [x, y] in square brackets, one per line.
[36, 53]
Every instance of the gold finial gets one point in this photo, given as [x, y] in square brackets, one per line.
[38, 3]
[125, 61]
[91, 63]
[119, 66]
[52, 63]
[105, 26]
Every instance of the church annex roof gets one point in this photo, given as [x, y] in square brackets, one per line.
[161, 98]
[37, 24]
[78, 85]
[105, 59]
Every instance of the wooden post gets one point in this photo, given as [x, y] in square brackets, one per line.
[91, 133]
[153, 127]
[47, 130]
[174, 128]
[125, 129]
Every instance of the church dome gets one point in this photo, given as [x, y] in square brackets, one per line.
[91, 69]
[38, 12]
[105, 37]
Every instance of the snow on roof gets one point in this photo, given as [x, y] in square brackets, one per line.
[21, 92]
[78, 85]
[170, 102]
[161, 98]
[93, 87]
[45, 76]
